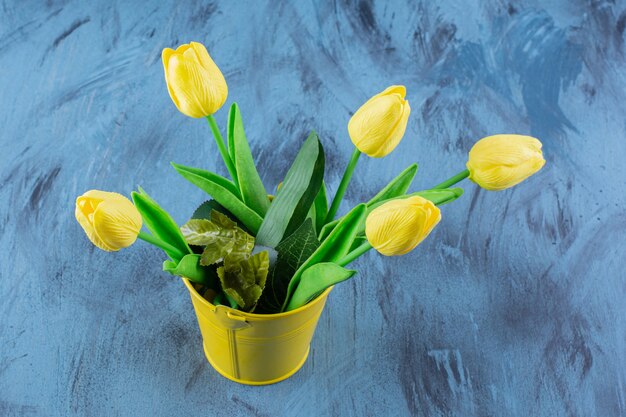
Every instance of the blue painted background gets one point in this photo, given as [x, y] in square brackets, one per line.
[516, 304]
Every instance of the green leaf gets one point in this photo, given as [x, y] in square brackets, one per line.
[189, 267]
[328, 227]
[292, 253]
[252, 190]
[335, 247]
[220, 236]
[358, 241]
[440, 197]
[321, 208]
[244, 279]
[396, 187]
[294, 199]
[315, 280]
[160, 223]
[204, 210]
[216, 187]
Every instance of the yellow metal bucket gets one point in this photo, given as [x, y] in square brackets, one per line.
[256, 349]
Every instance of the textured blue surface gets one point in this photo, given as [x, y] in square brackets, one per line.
[515, 306]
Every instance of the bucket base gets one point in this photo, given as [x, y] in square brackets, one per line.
[268, 382]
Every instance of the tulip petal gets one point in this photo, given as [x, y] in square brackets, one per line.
[378, 126]
[186, 81]
[183, 48]
[501, 161]
[398, 226]
[397, 133]
[371, 125]
[165, 57]
[203, 57]
[394, 89]
[117, 223]
[197, 95]
[87, 226]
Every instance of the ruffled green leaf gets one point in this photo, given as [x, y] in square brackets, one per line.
[244, 279]
[294, 199]
[160, 223]
[250, 185]
[292, 253]
[315, 280]
[220, 237]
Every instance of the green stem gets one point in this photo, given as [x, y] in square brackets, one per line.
[231, 301]
[452, 180]
[160, 244]
[222, 147]
[343, 185]
[218, 299]
[354, 254]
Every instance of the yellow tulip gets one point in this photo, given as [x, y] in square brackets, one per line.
[398, 226]
[110, 220]
[502, 161]
[196, 85]
[378, 125]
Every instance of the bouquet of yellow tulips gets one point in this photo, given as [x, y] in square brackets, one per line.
[254, 252]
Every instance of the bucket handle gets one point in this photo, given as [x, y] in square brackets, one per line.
[229, 319]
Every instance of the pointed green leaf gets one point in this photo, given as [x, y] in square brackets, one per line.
[335, 247]
[315, 280]
[321, 208]
[252, 190]
[292, 253]
[358, 241]
[220, 181]
[159, 222]
[204, 212]
[215, 186]
[244, 280]
[295, 197]
[440, 197]
[397, 187]
[189, 267]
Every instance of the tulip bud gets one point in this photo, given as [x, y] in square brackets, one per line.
[110, 220]
[501, 161]
[398, 226]
[378, 125]
[196, 85]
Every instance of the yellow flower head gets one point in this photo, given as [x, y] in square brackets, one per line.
[501, 161]
[196, 85]
[378, 125]
[398, 226]
[110, 220]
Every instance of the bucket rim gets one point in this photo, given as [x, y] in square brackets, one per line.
[196, 295]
